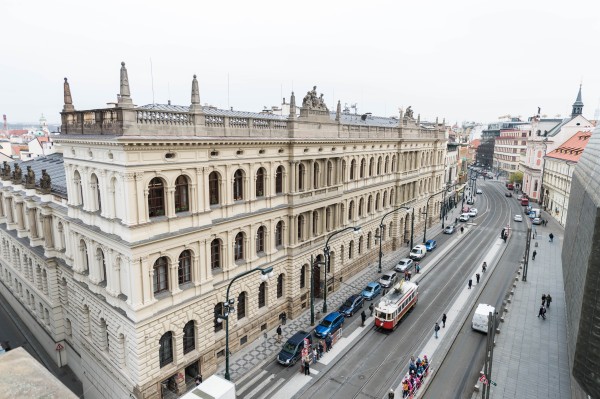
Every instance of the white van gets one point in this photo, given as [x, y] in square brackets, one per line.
[480, 318]
[418, 252]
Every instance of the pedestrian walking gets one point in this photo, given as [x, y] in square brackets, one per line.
[534, 254]
[548, 300]
[279, 334]
[551, 236]
[363, 317]
[477, 275]
[328, 342]
[391, 394]
[436, 328]
[283, 318]
[483, 267]
[418, 267]
[315, 353]
[198, 379]
[307, 365]
[371, 307]
[543, 299]
[542, 312]
[470, 283]
[320, 349]
[462, 229]
[444, 320]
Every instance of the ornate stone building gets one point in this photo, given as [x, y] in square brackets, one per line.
[126, 256]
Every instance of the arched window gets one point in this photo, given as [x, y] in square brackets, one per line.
[384, 204]
[351, 211]
[393, 164]
[84, 256]
[371, 166]
[387, 164]
[377, 198]
[379, 165]
[262, 294]
[96, 191]
[303, 276]
[189, 336]
[184, 271]
[182, 203]
[329, 172]
[165, 352]
[316, 176]
[101, 265]
[78, 188]
[369, 236]
[328, 219]
[218, 312]
[279, 180]
[360, 245]
[300, 228]
[239, 247]
[241, 306]
[214, 181]
[343, 171]
[370, 205]
[392, 198]
[315, 224]
[352, 169]
[301, 176]
[161, 275]
[361, 207]
[238, 185]
[279, 234]
[215, 254]
[363, 166]
[156, 198]
[350, 249]
[280, 281]
[260, 240]
[260, 182]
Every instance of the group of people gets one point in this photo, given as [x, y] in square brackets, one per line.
[407, 275]
[546, 300]
[316, 353]
[417, 370]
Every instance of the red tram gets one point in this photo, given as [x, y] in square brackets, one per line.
[392, 307]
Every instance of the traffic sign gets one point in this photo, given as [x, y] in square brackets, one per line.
[59, 347]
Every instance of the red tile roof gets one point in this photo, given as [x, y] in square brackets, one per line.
[571, 149]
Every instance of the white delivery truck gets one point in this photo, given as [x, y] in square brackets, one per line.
[535, 213]
[214, 387]
[480, 318]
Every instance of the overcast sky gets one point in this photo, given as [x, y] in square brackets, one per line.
[459, 60]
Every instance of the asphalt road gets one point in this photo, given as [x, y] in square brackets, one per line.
[378, 360]
[460, 369]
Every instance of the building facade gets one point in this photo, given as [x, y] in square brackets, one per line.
[558, 172]
[124, 250]
[508, 148]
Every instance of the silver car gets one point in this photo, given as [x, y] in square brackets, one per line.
[388, 279]
[403, 265]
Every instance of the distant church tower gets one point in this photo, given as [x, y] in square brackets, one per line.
[577, 105]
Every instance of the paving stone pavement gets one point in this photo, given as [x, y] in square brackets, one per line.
[262, 350]
[530, 356]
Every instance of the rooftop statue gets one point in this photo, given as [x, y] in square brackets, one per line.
[45, 182]
[30, 178]
[311, 101]
[17, 175]
[6, 171]
[409, 112]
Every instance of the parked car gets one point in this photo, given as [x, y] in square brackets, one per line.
[430, 245]
[479, 191]
[464, 217]
[470, 201]
[508, 194]
[291, 351]
[330, 324]
[518, 218]
[403, 265]
[388, 279]
[352, 304]
[449, 229]
[536, 221]
[418, 252]
[473, 212]
[371, 291]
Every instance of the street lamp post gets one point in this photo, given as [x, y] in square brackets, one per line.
[442, 213]
[229, 309]
[313, 263]
[381, 232]
[327, 262]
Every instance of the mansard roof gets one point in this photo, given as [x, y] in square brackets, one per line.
[572, 149]
[54, 166]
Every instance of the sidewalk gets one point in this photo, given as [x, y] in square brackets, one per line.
[530, 356]
[261, 351]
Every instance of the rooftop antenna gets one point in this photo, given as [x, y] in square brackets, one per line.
[152, 79]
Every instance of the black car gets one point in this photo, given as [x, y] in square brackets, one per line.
[352, 304]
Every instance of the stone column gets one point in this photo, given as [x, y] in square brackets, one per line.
[48, 233]
[20, 219]
[147, 281]
[174, 278]
[292, 177]
[170, 202]
[142, 202]
[33, 223]
[136, 282]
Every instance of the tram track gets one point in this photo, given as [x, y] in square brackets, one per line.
[413, 335]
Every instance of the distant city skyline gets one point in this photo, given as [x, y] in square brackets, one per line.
[462, 61]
